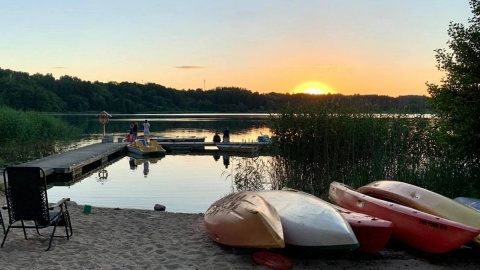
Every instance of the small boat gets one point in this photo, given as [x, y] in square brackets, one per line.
[237, 147]
[140, 147]
[413, 227]
[244, 219]
[309, 221]
[424, 200]
[470, 202]
[372, 233]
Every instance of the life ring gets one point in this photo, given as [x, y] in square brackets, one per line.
[103, 119]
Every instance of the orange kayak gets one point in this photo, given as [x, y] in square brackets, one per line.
[418, 229]
[372, 233]
[423, 200]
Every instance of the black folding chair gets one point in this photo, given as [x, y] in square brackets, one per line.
[27, 203]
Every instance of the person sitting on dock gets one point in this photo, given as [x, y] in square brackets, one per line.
[226, 135]
[216, 138]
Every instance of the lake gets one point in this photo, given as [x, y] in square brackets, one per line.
[183, 182]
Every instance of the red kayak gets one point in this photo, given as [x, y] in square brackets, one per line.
[423, 231]
[372, 233]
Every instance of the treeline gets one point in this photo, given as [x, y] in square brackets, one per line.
[38, 92]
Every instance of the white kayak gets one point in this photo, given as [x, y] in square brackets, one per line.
[310, 221]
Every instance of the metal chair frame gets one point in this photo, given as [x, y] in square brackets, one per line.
[27, 201]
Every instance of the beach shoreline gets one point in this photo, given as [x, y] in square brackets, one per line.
[110, 238]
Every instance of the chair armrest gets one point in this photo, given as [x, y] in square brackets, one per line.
[59, 203]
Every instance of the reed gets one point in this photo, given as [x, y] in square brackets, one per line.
[318, 145]
[29, 135]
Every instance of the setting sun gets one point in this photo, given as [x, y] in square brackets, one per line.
[313, 88]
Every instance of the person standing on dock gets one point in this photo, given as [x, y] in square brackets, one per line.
[130, 134]
[226, 135]
[135, 130]
[146, 130]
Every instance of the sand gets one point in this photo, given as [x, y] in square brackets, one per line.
[143, 239]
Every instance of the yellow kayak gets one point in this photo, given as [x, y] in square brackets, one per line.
[244, 219]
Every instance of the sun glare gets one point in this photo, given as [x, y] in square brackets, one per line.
[313, 88]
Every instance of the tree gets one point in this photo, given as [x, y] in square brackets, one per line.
[457, 100]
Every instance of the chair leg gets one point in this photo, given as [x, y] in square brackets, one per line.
[68, 224]
[3, 224]
[51, 237]
[5, 236]
[24, 231]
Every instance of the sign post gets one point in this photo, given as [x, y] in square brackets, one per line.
[103, 118]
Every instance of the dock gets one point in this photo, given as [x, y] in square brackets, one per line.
[195, 146]
[79, 161]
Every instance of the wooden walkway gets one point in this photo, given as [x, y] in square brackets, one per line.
[79, 161]
[76, 163]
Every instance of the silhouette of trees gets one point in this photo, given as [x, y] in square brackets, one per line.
[457, 99]
[38, 92]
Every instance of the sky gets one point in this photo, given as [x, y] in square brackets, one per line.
[379, 47]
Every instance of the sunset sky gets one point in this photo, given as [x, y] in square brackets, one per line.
[383, 47]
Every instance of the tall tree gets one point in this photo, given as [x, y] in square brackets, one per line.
[457, 100]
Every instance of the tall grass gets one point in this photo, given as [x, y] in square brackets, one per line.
[318, 145]
[28, 135]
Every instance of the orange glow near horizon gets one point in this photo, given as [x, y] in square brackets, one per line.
[313, 88]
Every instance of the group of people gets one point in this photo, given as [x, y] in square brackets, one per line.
[146, 132]
[226, 136]
[134, 130]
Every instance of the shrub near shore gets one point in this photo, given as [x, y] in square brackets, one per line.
[29, 135]
[318, 145]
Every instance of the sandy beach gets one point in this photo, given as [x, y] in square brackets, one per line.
[143, 239]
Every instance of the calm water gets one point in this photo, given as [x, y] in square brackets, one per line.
[186, 183]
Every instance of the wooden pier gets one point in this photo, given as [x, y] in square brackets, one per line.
[75, 164]
[79, 161]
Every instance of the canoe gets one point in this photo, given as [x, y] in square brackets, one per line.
[424, 200]
[470, 202]
[372, 233]
[418, 229]
[244, 219]
[309, 221]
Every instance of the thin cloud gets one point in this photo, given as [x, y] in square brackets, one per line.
[58, 67]
[191, 67]
[321, 66]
